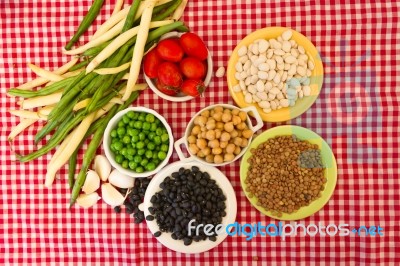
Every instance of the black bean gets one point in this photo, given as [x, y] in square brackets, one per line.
[213, 238]
[157, 234]
[149, 217]
[151, 210]
[187, 241]
[117, 209]
[174, 237]
[181, 171]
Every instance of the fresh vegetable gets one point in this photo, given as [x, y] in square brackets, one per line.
[192, 68]
[86, 22]
[166, 89]
[170, 50]
[193, 45]
[151, 62]
[193, 87]
[170, 75]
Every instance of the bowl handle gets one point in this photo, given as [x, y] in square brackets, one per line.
[177, 146]
[256, 115]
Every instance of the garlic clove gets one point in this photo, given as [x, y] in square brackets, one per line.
[92, 182]
[87, 200]
[121, 180]
[111, 195]
[102, 167]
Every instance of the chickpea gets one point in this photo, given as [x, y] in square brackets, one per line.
[205, 113]
[206, 151]
[210, 135]
[202, 120]
[225, 136]
[234, 133]
[201, 154]
[220, 125]
[218, 133]
[230, 148]
[236, 120]
[201, 143]
[218, 159]
[235, 111]
[229, 157]
[217, 116]
[229, 127]
[213, 143]
[237, 141]
[210, 125]
[241, 126]
[244, 143]
[237, 150]
[216, 151]
[228, 111]
[218, 109]
[210, 158]
[243, 115]
[193, 149]
[247, 133]
[226, 117]
[203, 134]
[196, 130]
[191, 139]
[223, 144]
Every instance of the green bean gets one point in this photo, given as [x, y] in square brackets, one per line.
[92, 148]
[131, 16]
[42, 92]
[96, 50]
[183, 28]
[72, 167]
[79, 65]
[165, 13]
[86, 22]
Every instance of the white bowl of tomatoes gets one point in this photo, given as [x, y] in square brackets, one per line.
[179, 67]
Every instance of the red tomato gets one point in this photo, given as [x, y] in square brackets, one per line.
[170, 50]
[193, 87]
[151, 62]
[166, 89]
[192, 68]
[193, 45]
[169, 74]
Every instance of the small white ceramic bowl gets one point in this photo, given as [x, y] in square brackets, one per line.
[107, 141]
[180, 97]
[231, 207]
[183, 140]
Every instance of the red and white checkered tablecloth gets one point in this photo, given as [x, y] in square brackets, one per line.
[357, 113]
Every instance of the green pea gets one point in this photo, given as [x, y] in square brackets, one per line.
[133, 145]
[124, 151]
[125, 119]
[118, 145]
[139, 169]
[142, 117]
[164, 138]
[140, 145]
[144, 162]
[151, 146]
[120, 124]
[156, 161]
[126, 139]
[129, 157]
[146, 126]
[157, 121]
[159, 131]
[130, 114]
[132, 165]
[164, 147]
[137, 159]
[150, 118]
[131, 151]
[135, 139]
[141, 151]
[157, 140]
[121, 131]
[149, 154]
[138, 124]
[161, 155]
[150, 166]
[142, 136]
[151, 135]
[112, 148]
[113, 133]
[153, 127]
[125, 164]
[119, 158]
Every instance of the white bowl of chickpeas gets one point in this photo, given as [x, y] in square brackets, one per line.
[219, 134]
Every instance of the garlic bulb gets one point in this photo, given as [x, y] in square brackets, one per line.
[102, 167]
[92, 182]
[111, 195]
[120, 180]
[87, 200]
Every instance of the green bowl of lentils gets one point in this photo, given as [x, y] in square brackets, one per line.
[138, 142]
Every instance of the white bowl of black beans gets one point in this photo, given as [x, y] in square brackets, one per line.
[186, 191]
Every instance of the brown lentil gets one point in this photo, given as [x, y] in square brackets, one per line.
[285, 174]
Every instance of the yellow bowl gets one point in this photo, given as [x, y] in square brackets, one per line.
[316, 78]
[328, 160]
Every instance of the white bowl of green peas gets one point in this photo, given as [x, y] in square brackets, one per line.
[138, 142]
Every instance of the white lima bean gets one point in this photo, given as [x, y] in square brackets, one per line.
[273, 73]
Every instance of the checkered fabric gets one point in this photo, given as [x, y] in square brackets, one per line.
[357, 113]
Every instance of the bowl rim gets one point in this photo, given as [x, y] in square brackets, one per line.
[106, 141]
[283, 114]
[183, 140]
[330, 171]
[183, 98]
[231, 206]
